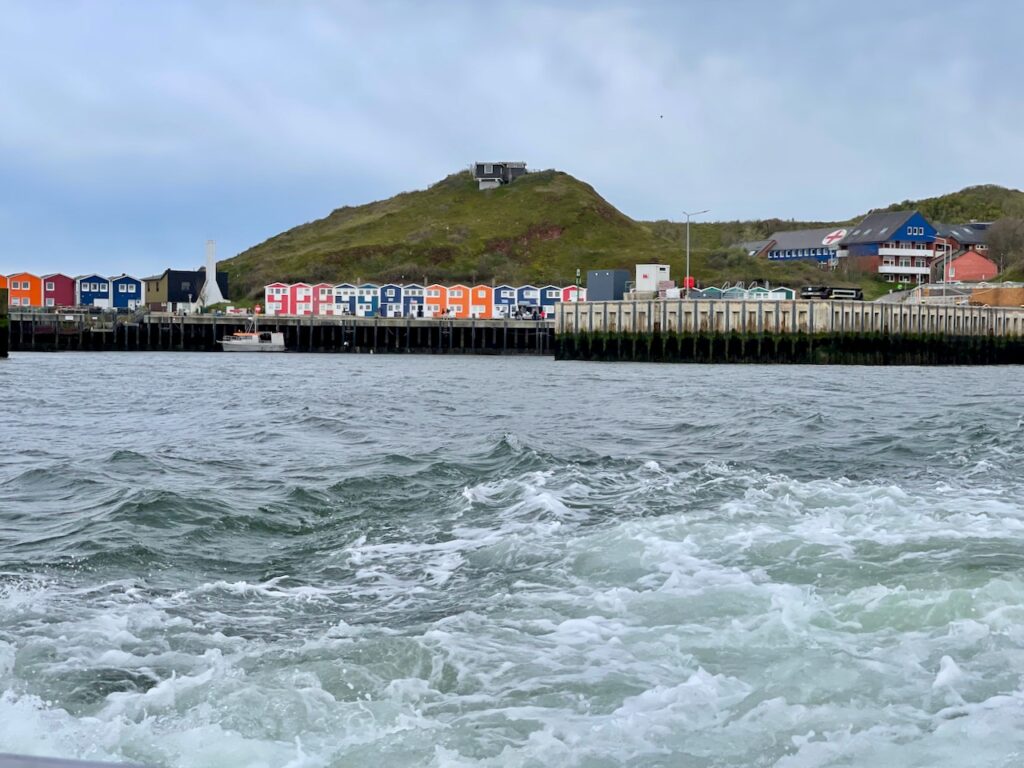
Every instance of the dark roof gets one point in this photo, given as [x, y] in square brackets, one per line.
[877, 227]
[801, 238]
[754, 246]
[965, 234]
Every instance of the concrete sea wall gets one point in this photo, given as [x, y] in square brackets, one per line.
[816, 332]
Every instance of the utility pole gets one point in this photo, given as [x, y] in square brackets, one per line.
[688, 214]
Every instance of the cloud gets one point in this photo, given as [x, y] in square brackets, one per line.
[235, 120]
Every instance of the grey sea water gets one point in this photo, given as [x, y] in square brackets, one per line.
[217, 560]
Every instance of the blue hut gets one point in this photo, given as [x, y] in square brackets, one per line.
[504, 300]
[125, 292]
[391, 300]
[92, 291]
[413, 296]
[367, 299]
[528, 297]
[549, 296]
[345, 298]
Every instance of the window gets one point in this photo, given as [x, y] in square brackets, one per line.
[488, 168]
[49, 302]
[50, 286]
[131, 287]
[455, 294]
[101, 286]
[122, 288]
[15, 302]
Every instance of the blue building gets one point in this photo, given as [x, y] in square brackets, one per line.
[391, 300]
[549, 296]
[900, 245]
[367, 299]
[413, 298]
[528, 297]
[504, 300]
[820, 245]
[345, 298]
[126, 292]
[92, 291]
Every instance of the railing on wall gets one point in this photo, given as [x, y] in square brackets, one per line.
[786, 317]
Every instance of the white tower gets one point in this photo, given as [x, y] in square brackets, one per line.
[211, 290]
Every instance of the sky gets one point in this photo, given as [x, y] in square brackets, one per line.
[132, 132]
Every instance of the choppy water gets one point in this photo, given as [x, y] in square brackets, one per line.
[214, 560]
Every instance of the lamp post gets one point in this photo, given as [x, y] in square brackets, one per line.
[688, 214]
[948, 247]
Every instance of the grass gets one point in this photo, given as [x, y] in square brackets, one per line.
[539, 230]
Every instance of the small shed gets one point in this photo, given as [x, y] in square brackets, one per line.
[126, 292]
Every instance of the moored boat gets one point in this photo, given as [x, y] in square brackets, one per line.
[253, 340]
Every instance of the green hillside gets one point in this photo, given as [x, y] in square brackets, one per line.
[986, 202]
[539, 229]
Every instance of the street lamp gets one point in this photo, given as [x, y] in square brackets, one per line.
[688, 214]
[948, 247]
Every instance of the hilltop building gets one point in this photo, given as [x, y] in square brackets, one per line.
[491, 175]
[820, 245]
[899, 245]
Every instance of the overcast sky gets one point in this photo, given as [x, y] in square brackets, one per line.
[130, 132]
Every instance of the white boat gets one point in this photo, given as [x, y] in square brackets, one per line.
[253, 340]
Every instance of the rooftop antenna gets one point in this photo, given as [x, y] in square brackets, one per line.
[211, 290]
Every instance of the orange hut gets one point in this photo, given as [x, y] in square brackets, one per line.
[481, 303]
[458, 300]
[435, 300]
[25, 290]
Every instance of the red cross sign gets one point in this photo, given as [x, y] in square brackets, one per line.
[834, 237]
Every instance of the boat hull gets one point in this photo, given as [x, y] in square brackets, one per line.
[251, 342]
[228, 346]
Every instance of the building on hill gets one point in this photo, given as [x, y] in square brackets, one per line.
[756, 248]
[899, 245]
[963, 237]
[58, 290]
[491, 175]
[819, 245]
[968, 267]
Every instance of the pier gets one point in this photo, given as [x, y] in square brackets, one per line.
[824, 332]
[153, 331]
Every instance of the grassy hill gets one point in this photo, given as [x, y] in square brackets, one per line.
[539, 229]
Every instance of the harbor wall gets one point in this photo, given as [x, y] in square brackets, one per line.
[815, 332]
[5, 324]
[167, 332]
